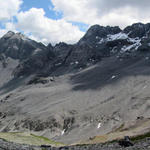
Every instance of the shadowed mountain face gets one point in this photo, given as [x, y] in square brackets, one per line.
[73, 92]
[99, 32]
[33, 56]
[17, 46]
[138, 30]
[97, 43]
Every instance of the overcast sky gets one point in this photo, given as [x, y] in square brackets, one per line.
[67, 20]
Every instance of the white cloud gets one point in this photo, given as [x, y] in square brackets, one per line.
[119, 18]
[104, 12]
[2, 32]
[9, 8]
[76, 10]
[45, 29]
[10, 26]
[41, 28]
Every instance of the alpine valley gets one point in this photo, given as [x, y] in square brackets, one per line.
[94, 91]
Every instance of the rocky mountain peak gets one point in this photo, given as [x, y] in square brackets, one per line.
[8, 35]
[61, 44]
[97, 32]
[61, 47]
[18, 46]
[137, 30]
[102, 31]
[49, 46]
[97, 43]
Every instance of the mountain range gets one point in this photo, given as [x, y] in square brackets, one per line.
[70, 93]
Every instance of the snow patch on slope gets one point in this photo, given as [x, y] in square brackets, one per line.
[101, 41]
[118, 36]
[136, 44]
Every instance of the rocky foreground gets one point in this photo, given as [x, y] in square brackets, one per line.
[139, 145]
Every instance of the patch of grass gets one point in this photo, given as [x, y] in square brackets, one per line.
[140, 137]
[120, 132]
[119, 128]
[103, 140]
[96, 139]
[27, 138]
[48, 140]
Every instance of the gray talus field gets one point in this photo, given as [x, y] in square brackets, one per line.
[82, 104]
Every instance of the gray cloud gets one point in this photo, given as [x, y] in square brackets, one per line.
[105, 6]
[104, 12]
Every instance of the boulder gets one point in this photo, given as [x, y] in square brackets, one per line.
[126, 142]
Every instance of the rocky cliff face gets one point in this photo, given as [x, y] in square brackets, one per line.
[100, 42]
[138, 30]
[96, 32]
[33, 56]
[17, 46]
[97, 43]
